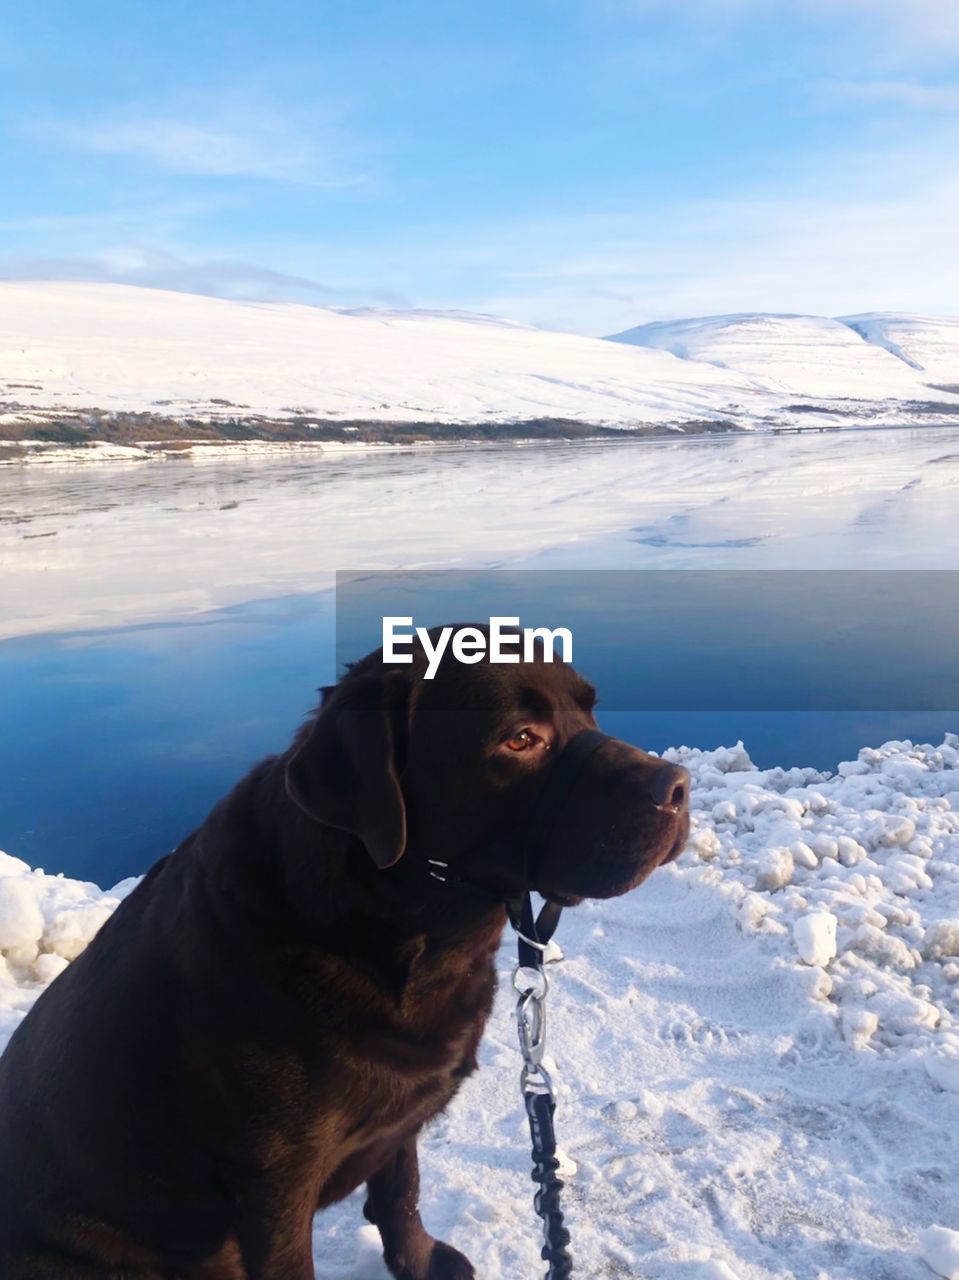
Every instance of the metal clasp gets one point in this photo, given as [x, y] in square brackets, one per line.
[531, 1025]
[532, 986]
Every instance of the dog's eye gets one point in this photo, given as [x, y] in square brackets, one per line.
[522, 741]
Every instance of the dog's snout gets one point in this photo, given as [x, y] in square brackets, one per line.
[669, 787]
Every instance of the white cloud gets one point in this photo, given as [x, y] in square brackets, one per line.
[247, 144]
[161, 269]
[914, 23]
[913, 20]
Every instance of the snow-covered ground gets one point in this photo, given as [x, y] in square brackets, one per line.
[757, 1051]
[79, 347]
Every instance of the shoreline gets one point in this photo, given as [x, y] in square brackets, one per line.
[370, 437]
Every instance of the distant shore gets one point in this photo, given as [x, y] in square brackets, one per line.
[29, 434]
[102, 437]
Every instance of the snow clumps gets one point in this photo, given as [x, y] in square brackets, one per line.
[854, 876]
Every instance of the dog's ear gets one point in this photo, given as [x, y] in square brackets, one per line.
[344, 771]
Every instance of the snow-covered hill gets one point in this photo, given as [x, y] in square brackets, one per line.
[68, 349]
[930, 346]
[872, 357]
[116, 347]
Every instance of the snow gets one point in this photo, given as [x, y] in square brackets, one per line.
[45, 922]
[117, 347]
[757, 1052]
[814, 935]
[931, 346]
[864, 357]
[940, 1251]
[79, 347]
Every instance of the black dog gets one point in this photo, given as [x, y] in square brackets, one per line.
[279, 1007]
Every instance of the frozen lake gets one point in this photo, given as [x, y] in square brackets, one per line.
[95, 546]
[165, 624]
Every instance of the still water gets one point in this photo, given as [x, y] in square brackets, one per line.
[118, 741]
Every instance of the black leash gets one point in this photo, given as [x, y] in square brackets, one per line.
[533, 934]
[532, 984]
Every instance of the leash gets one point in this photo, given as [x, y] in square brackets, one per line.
[531, 983]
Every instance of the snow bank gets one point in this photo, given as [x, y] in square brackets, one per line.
[757, 1053]
[45, 922]
[857, 875]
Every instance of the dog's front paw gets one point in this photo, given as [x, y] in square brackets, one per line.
[424, 1258]
[447, 1263]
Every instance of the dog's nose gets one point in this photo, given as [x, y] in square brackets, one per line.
[669, 787]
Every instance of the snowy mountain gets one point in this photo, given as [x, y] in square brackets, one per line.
[930, 346]
[67, 350]
[872, 357]
[83, 346]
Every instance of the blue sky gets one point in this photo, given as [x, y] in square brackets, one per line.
[581, 164]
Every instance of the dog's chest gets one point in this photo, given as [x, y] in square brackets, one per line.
[406, 1072]
[448, 1003]
[393, 1040]
[409, 1059]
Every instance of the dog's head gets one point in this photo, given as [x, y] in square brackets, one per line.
[456, 769]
